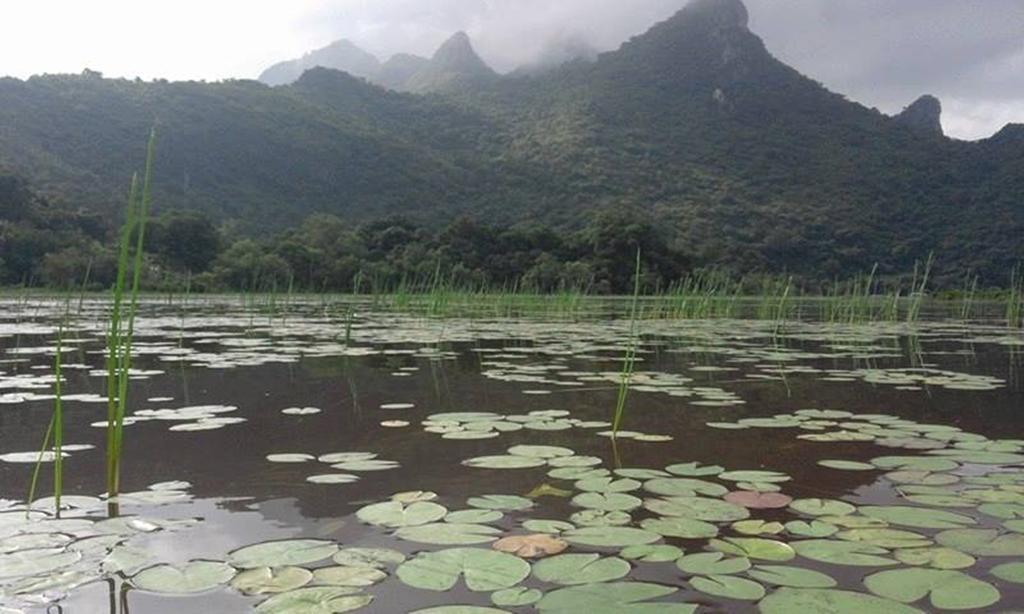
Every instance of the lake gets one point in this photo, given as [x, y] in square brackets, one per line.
[330, 455]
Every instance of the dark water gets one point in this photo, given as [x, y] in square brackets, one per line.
[223, 353]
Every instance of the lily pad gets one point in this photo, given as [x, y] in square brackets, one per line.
[552, 527]
[656, 553]
[474, 516]
[500, 502]
[348, 576]
[580, 569]
[517, 596]
[395, 514]
[608, 502]
[282, 553]
[686, 487]
[544, 452]
[449, 534]
[612, 598]
[1010, 572]
[729, 587]
[936, 557]
[505, 462]
[982, 542]
[918, 517]
[610, 537]
[261, 580]
[759, 500]
[822, 507]
[846, 465]
[685, 528]
[755, 548]
[843, 553]
[482, 570]
[712, 564]
[193, 577]
[694, 469]
[947, 590]
[814, 528]
[377, 558]
[530, 546]
[829, 601]
[316, 600]
[700, 508]
[36, 562]
[796, 577]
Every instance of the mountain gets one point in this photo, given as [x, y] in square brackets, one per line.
[399, 70]
[747, 164]
[924, 115]
[340, 55]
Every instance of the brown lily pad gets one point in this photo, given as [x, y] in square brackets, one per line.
[531, 546]
[759, 500]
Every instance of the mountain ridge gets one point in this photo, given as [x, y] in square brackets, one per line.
[748, 163]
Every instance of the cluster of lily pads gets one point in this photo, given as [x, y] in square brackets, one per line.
[488, 425]
[358, 462]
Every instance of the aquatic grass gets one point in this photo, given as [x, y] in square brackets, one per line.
[919, 289]
[629, 362]
[1015, 299]
[121, 327]
[55, 430]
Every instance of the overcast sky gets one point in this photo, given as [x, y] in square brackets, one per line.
[884, 53]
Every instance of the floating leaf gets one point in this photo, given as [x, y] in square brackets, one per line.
[885, 538]
[712, 563]
[290, 458]
[822, 507]
[348, 576]
[829, 601]
[700, 508]
[366, 465]
[504, 462]
[843, 553]
[610, 502]
[914, 463]
[612, 598]
[517, 596]
[729, 587]
[686, 487]
[694, 469]
[814, 528]
[36, 562]
[500, 502]
[656, 553]
[460, 609]
[580, 569]
[983, 542]
[395, 514]
[261, 580]
[377, 558]
[754, 476]
[919, 517]
[333, 478]
[936, 557]
[846, 465]
[530, 546]
[947, 590]
[755, 548]
[610, 537]
[193, 577]
[795, 577]
[685, 528]
[482, 570]
[1010, 572]
[544, 452]
[282, 553]
[548, 526]
[449, 534]
[316, 600]
[759, 500]
[641, 474]
[607, 485]
[601, 518]
[474, 516]
[758, 527]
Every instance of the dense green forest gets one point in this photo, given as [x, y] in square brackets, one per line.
[693, 129]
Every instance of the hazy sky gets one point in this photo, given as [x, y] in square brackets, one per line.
[884, 53]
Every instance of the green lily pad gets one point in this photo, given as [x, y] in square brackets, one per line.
[829, 601]
[641, 474]
[544, 452]
[936, 557]
[686, 487]
[460, 609]
[814, 528]
[482, 570]
[656, 553]
[193, 577]
[754, 476]
[795, 577]
[348, 576]
[843, 553]
[846, 465]
[699, 508]
[517, 596]
[474, 516]
[612, 598]
[694, 469]
[505, 462]
[685, 528]
[552, 527]
[822, 507]
[607, 485]
[608, 502]
[395, 514]
[758, 527]
[982, 542]
[914, 463]
[577, 473]
[729, 587]
[316, 600]
[262, 580]
[282, 553]
[885, 538]
[449, 534]
[377, 558]
[755, 548]
[574, 461]
[580, 569]
[500, 502]
[918, 517]
[946, 589]
[36, 562]
[1010, 572]
[610, 537]
[601, 518]
[712, 564]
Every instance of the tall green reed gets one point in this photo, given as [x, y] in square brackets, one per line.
[629, 361]
[121, 327]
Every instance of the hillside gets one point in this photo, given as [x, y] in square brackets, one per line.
[750, 165]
